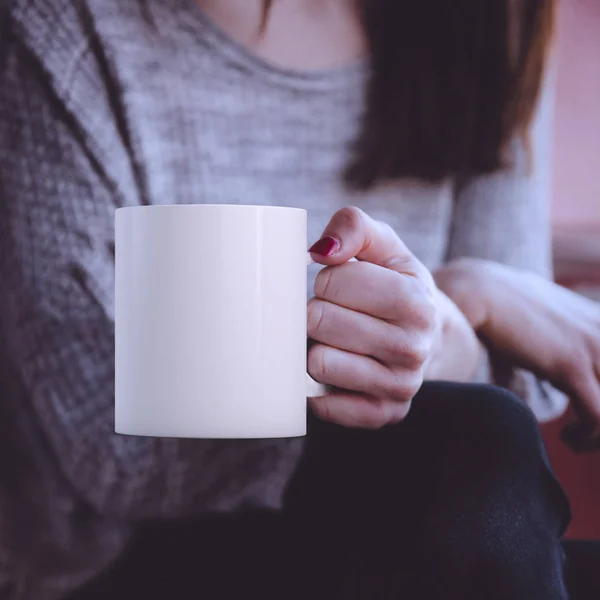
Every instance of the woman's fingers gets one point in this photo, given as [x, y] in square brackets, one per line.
[374, 320]
[379, 292]
[362, 374]
[357, 411]
[585, 393]
[352, 233]
[388, 281]
[363, 334]
[584, 388]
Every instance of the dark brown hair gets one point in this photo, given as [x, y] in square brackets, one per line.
[452, 83]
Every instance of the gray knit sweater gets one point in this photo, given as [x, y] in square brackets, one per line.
[108, 103]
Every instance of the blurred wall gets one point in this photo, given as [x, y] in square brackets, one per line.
[576, 185]
[576, 197]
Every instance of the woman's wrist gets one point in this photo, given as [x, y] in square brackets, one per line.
[467, 282]
[458, 353]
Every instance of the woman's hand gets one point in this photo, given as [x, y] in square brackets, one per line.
[535, 323]
[457, 351]
[376, 323]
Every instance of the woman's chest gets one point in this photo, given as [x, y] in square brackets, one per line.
[224, 158]
[233, 139]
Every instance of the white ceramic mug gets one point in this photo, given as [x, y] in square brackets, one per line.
[210, 337]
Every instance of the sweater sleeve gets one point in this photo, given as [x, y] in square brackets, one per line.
[57, 205]
[505, 217]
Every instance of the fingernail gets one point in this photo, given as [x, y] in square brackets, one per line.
[326, 246]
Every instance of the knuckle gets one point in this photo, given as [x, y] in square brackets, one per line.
[411, 351]
[384, 412]
[397, 345]
[322, 287]
[575, 366]
[318, 366]
[350, 216]
[418, 352]
[424, 314]
[315, 317]
[400, 411]
[387, 228]
[404, 385]
[413, 302]
[322, 408]
[377, 416]
[428, 315]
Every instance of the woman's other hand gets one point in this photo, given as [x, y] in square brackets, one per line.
[535, 323]
[376, 323]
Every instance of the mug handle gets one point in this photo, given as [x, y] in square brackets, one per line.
[314, 389]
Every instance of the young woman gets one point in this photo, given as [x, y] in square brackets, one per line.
[420, 116]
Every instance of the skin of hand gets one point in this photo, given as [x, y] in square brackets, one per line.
[535, 323]
[377, 324]
[457, 350]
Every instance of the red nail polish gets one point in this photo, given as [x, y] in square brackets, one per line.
[326, 246]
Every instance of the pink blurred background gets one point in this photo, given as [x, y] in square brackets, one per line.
[576, 220]
[577, 117]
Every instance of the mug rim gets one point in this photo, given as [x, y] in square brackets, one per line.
[247, 207]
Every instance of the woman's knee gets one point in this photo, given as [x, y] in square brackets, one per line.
[487, 420]
[499, 509]
[493, 457]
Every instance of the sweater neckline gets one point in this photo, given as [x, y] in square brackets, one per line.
[190, 17]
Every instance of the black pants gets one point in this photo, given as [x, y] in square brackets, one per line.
[456, 502]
